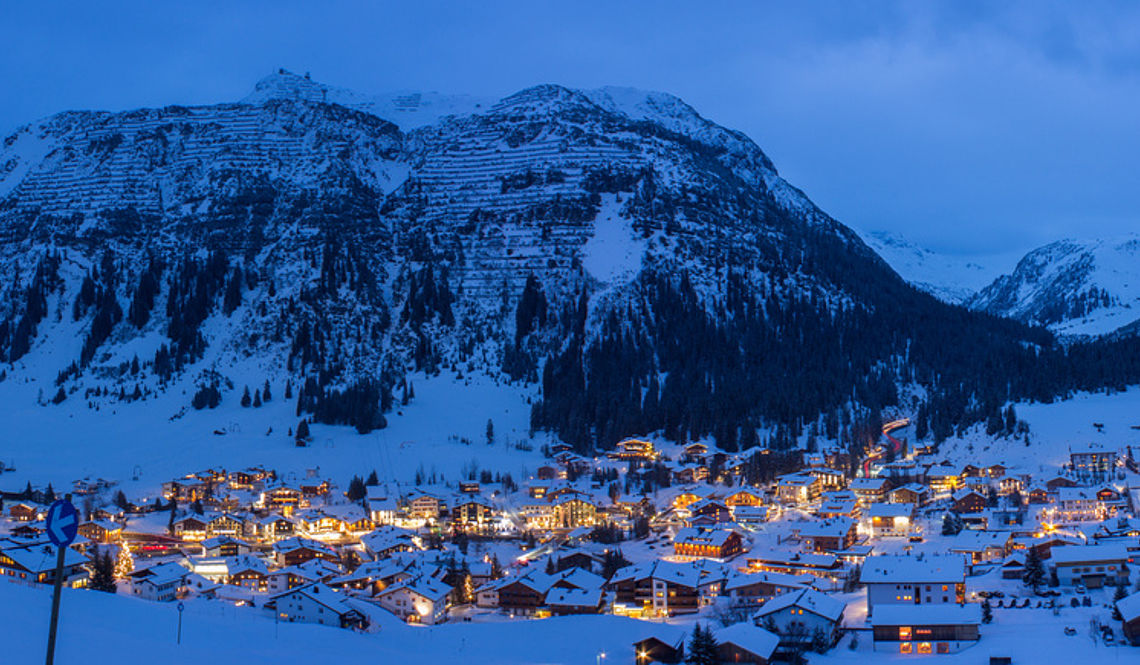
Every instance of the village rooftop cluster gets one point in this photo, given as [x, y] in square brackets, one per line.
[750, 558]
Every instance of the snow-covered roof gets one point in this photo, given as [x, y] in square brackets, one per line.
[1129, 607]
[750, 638]
[891, 510]
[893, 569]
[943, 614]
[561, 597]
[1081, 553]
[740, 580]
[809, 600]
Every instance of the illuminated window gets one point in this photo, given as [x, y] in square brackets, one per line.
[905, 647]
[904, 632]
[924, 647]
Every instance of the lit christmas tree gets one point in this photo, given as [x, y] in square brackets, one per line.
[124, 563]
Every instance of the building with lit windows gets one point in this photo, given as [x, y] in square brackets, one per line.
[797, 616]
[707, 543]
[914, 580]
[928, 629]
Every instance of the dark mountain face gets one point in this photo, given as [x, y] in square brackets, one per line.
[648, 268]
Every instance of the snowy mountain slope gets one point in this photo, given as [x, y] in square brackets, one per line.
[630, 265]
[953, 279]
[1073, 287]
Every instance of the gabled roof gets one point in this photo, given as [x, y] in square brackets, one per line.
[751, 638]
[1129, 607]
[323, 595]
[739, 580]
[40, 557]
[809, 600]
[423, 585]
[562, 597]
[891, 510]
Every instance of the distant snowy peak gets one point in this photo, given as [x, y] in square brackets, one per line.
[1074, 287]
[951, 278]
[406, 109]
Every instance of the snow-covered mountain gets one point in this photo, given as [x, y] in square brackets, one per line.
[1074, 287]
[949, 277]
[640, 266]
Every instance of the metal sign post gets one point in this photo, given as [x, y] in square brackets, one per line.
[62, 527]
[180, 608]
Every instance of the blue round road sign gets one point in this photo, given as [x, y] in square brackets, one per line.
[62, 523]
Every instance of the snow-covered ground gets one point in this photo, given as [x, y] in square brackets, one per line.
[103, 628]
[65, 442]
[1053, 429]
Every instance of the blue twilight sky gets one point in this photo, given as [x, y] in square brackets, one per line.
[969, 127]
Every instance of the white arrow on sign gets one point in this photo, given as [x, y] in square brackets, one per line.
[58, 524]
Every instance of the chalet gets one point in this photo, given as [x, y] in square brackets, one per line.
[633, 449]
[101, 531]
[707, 543]
[926, 629]
[661, 647]
[744, 496]
[283, 499]
[745, 643]
[916, 494]
[295, 550]
[383, 510]
[708, 512]
[1013, 568]
[827, 535]
[563, 601]
[829, 479]
[1039, 495]
[823, 566]
[422, 600]
[665, 588]
[1129, 608]
[424, 506]
[1008, 485]
[914, 580]
[755, 588]
[1092, 461]
[942, 479]
[690, 473]
[159, 583]
[469, 487]
[191, 527]
[694, 452]
[870, 490]
[225, 546]
[829, 509]
[967, 501]
[275, 527]
[690, 496]
[890, 519]
[798, 488]
[1078, 504]
[473, 514]
[35, 563]
[571, 512]
[752, 515]
[982, 546]
[312, 488]
[25, 512]
[1094, 566]
[317, 603]
[1057, 482]
[291, 577]
[224, 525]
[388, 541]
[798, 615]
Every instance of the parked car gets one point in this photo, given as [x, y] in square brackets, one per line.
[1070, 631]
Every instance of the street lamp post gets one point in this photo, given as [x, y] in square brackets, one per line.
[601, 655]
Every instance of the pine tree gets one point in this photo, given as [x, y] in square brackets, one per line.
[173, 516]
[302, 431]
[121, 501]
[987, 611]
[49, 494]
[1034, 574]
[550, 567]
[356, 490]
[951, 525]
[102, 573]
[266, 395]
[373, 479]
[1121, 593]
[490, 432]
[245, 398]
[257, 399]
[288, 390]
[702, 647]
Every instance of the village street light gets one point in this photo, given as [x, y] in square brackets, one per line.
[599, 658]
